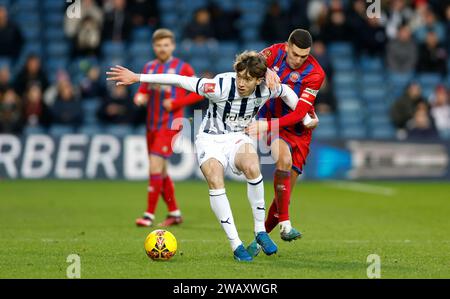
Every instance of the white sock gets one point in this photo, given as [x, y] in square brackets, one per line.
[255, 193]
[221, 207]
[285, 226]
[176, 213]
[149, 215]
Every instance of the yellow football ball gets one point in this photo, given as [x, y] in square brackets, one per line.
[160, 245]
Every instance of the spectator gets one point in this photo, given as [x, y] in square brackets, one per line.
[432, 56]
[319, 51]
[431, 25]
[31, 73]
[66, 109]
[336, 28]
[373, 38]
[10, 113]
[447, 18]
[326, 101]
[421, 126]
[200, 28]
[404, 108]
[117, 26]
[144, 13]
[11, 39]
[401, 52]
[92, 86]
[225, 23]
[5, 79]
[36, 112]
[397, 15]
[298, 15]
[88, 37]
[440, 110]
[117, 107]
[275, 25]
[89, 9]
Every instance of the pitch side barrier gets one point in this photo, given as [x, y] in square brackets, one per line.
[78, 156]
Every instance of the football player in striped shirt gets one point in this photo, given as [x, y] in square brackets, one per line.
[234, 100]
[160, 132]
[292, 64]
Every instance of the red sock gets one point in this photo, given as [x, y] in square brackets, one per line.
[154, 188]
[272, 217]
[168, 194]
[282, 187]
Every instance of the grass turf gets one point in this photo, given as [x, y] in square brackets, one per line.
[42, 222]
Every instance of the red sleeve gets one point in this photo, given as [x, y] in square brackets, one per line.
[187, 70]
[190, 99]
[305, 104]
[270, 53]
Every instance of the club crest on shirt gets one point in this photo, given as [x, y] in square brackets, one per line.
[294, 76]
[209, 87]
[258, 101]
[165, 149]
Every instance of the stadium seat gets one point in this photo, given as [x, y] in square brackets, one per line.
[325, 132]
[327, 119]
[57, 49]
[201, 65]
[32, 130]
[340, 49]
[374, 79]
[113, 49]
[342, 64]
[92, 129]
[54, 35]
[26, 5]
[373, 93]
[142, 34]
[382, 132]
[119, 130]
[140, 49]
[59, 130]
[52, 5]
[250, 34]
[140, 130]
[353, 132]
[429, 79]
[372, 64]
[32, 35]
[54, 19]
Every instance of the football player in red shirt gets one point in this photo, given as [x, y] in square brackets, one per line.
[161, 129]
[292, 64]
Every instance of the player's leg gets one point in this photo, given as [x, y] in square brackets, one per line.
[154, 189]
[245, 160]
[279, 209]
[168, 195]
[213, 171]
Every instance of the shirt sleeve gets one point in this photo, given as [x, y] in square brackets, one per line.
[209, 88]
[269, 54]
[188, 83]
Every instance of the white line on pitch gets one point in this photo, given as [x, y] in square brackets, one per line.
[363, 188]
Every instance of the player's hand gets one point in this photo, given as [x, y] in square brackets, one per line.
[272, 79]
[167, 104]
[140, 99]
[257, 128]
[122, 75]
[314, 122]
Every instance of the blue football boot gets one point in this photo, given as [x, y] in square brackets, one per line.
[254, 248]
[291, 235]
[241, 254]
[267, 245]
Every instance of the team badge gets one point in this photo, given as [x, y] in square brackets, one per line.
[294, 76]
[165, 148]
[209, 87]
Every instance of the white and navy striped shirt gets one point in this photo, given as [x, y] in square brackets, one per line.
[230, 112]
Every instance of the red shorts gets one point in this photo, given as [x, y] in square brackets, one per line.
[160, 142]
[298, 145]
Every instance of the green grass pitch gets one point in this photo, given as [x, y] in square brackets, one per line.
[406, 224]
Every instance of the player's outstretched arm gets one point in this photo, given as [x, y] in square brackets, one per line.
[124, 76]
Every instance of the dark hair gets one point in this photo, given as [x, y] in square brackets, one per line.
[301, 38]
[254, 64]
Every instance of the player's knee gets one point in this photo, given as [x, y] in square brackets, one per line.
[284, 163]
[251, 170]
[216, 181]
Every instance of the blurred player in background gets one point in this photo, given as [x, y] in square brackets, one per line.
[160, 132]
[294, 66]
